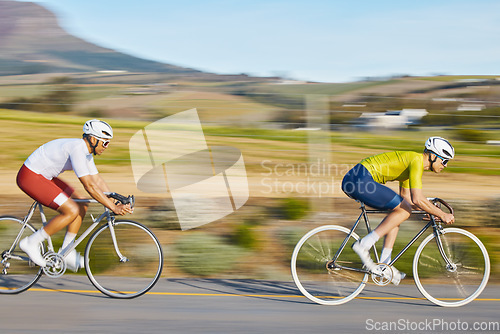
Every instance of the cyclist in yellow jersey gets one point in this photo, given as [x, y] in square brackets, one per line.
[364, 182]
[404, 166]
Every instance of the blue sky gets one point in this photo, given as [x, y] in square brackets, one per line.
[328, 41]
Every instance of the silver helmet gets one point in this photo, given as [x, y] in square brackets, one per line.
[98, 128]
[440, 147]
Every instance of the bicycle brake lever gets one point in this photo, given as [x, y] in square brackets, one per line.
[131, 201]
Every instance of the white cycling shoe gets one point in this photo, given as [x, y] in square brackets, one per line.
[74, 261]
[365, 257]
[397, 276]
[33, 251]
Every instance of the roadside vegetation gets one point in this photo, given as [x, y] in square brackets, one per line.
[256, 241]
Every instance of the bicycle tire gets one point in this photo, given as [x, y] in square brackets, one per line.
[18, 272]
[116, 278]
[309, 266]
[454, 285]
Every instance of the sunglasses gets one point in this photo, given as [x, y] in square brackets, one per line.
[105, 143]
[443, 160]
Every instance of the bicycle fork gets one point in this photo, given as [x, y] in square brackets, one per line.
[111, 224]
[450, 266]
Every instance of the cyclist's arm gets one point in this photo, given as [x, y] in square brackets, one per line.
[423, 203]
[405, 193]
[92, 186]
[101, 183]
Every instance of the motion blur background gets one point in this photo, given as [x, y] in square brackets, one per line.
[297, 136]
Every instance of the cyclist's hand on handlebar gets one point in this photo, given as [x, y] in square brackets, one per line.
[122, 209]
[448, 218]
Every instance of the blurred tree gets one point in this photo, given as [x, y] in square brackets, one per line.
[472, 135]
[61, 95]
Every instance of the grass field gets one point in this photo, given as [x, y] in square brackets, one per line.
[290, 145]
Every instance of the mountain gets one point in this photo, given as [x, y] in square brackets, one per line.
[32, 41]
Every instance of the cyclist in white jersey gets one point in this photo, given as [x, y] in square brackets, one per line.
[38, 178]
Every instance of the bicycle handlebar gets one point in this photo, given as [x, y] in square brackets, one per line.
[122, 199]
[436, 200]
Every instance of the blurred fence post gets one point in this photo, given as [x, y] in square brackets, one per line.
[318, 130]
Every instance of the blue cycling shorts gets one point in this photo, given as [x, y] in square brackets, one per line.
[359, 184]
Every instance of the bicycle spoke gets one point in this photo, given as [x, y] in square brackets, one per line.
[460, 287]
[325, 247]
[315, 253]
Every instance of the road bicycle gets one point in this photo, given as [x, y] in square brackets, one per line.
[123, 258]
[451, 266]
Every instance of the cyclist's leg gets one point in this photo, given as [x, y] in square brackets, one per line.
[68, 213]
[69, 210]
[54, 194]
[74, 226]
[359, 185]
[390, 238]
[74, 260]
[49, 193]
[389, 226]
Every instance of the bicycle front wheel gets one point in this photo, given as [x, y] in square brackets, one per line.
[18, 272]
[132, 267]
[321, 283]
[457, 281]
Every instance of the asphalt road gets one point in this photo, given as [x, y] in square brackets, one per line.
[71, 304]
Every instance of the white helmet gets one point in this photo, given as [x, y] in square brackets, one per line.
[441, 147]
[97, 128]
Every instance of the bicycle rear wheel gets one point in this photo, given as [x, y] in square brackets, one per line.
[460, 281]
[18, 272]
[311, 275]
[131, 275]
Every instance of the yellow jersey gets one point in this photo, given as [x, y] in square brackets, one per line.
[406, 167]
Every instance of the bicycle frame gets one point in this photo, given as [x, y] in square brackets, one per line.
[364, 214]
[95, 221]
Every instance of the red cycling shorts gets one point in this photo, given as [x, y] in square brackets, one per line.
[52, 193]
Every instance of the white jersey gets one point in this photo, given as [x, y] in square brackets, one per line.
[57, 156]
